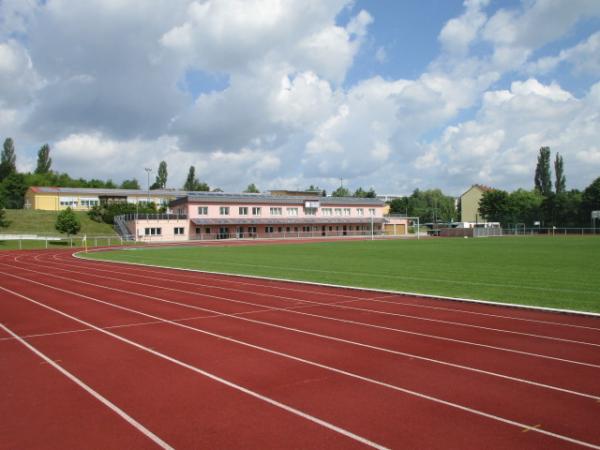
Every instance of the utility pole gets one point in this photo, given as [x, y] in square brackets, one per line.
[148, 170]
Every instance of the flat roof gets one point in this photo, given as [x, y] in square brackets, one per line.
[222, 197]
[105, 191]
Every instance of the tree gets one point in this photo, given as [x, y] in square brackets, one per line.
[525, 206]
[8, 159]
[3, 222]
[12, 191]
[494, 206]
[590, 200]
[399, 206]
[130, 184]
[191, 180]
[192, 183]
[341, 192]
[44, 161]
[252, 189]
[67, 222]
[542, 180]
[161, 177]
[360, 193]
[560, 184]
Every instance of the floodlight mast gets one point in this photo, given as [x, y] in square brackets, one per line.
[148, 170]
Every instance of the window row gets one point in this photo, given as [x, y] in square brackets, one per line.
[292, 212]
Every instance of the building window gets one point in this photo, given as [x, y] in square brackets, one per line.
[153, 231]
[346, 211]
[256, 211]
[276, 211]
[89, 202]
[252, 230]
[224, 210]
[371, 211]
[292, 211]
[338, 211]
[305, 229]
[207, 230]
[198, 230]
[280, 229]
[327, 211]
[68, 201]
[360, 211]
[310, 211]
[178, 231]
[203, 210]
[268, 229]
[243, 210]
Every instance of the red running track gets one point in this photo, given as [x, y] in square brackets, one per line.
[103, 355]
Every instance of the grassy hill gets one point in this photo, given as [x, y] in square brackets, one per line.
[27, 221]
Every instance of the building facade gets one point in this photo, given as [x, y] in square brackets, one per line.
[82, 199]
[207, 216]
[469, 204]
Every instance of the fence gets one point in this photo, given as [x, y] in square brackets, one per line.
[34, 241]
[518, 231]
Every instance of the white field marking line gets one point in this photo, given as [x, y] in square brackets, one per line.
[214, 377]
[403, 277]
[322, 366]
[78, 255]
[130, 420]
[430, 360]
[331, 294]
[154, 322]
[332, 305]
[397, 330]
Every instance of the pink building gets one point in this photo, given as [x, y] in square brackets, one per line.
[222, 216]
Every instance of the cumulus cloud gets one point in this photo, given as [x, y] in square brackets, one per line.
[583, 57]
[500, 145]
[106, 83]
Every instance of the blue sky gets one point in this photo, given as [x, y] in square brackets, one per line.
[386, 94]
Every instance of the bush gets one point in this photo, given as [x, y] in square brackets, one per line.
[67, 222]
[107, 213]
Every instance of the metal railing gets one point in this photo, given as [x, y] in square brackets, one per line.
[151, 216]
[22, 241]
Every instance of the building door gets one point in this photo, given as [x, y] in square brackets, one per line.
[323, 230]
[240, 232]
[223, 233]
[345, 230]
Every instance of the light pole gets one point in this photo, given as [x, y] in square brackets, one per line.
[148, 170]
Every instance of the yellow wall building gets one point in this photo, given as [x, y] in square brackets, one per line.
[469, 204]
[82, 199]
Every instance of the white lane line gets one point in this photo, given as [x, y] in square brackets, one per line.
[572, 312]
[213, 377]
[130, 420]
[154, 322]
[312, 363]
[195, 274]
[355, 343]
[331, 305]
[353, 308]
[380, 327]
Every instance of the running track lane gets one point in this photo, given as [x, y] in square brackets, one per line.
[381, 413]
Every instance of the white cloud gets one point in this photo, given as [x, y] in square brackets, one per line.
[500, 145]
[516, 33]
[458, 33]
[381, 55]
[584, 57]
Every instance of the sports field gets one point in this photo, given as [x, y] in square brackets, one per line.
[555, 272]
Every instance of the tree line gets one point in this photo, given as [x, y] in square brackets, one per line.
[550, 204]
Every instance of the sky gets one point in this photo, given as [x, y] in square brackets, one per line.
[393, 95]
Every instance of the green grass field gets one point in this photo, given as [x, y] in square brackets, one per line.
[553, 272]
[27, 221]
